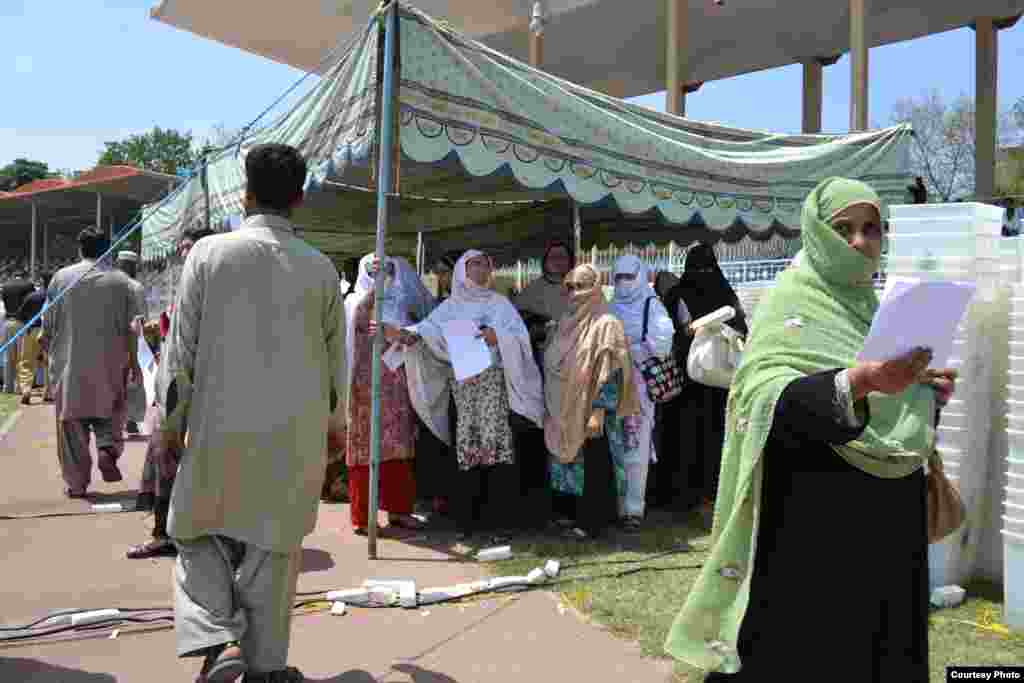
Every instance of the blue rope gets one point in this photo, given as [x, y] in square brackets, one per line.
[114, 245]
[138, 223]
[340, 47]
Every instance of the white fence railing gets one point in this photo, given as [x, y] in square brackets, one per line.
[746, 260]
[738, 273]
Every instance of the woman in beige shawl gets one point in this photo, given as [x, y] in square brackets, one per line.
[588, 389]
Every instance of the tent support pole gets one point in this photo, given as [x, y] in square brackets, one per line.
[206, 193]
[32, 255]
[419, 254]
[384, 186]
[577, 229]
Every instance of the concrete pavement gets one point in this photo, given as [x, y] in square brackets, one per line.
[58, 561]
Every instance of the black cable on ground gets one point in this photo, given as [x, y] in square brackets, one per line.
[99, 625]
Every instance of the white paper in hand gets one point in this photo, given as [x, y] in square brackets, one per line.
[147, 363]
[915, 313]
[469, 353]
[394, 357]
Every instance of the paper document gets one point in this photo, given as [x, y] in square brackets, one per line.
[916, 313]
[147, 362]
[469, 353]
[394, 357]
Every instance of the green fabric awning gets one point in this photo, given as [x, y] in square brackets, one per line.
[511, 148]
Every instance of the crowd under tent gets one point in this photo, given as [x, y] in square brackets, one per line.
[497, 155]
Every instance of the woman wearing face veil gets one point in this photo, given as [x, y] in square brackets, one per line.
[496, 409]
[691, 427]
[588, 390]
[649, 331]
[821, 498]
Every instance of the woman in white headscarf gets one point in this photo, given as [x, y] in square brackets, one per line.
[649, 330]
[405, 301]
[495, 408]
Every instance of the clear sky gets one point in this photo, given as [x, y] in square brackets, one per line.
[79, 72]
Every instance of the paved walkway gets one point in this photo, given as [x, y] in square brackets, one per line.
[77, 561]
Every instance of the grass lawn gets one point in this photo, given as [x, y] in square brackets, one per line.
[632, 587]
[8, 405]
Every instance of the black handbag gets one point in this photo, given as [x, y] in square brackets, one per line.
[663, 377]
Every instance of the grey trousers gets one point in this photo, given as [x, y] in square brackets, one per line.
[226, 590]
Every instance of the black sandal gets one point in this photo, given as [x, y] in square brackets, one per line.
[157, 547]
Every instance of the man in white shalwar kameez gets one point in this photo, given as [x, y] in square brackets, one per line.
[255, 400]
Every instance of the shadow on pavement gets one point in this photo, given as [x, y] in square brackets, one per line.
[33, 671]
[316, 560]
[415, 675]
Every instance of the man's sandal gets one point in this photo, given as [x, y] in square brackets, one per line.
[224, 664]
[157, 547]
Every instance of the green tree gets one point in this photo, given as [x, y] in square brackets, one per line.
[22, 171]
[161, 150]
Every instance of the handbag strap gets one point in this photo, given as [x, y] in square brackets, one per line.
[647, 313]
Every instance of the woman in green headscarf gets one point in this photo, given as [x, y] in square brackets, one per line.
[819, 566]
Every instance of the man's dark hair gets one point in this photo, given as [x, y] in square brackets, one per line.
[275, 175]
[93, 243]
[196, 234]
[45, 277]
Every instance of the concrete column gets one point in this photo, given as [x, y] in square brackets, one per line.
[986, 47]
[32, 252]
[858, 65]
[676, 54]
[46, 246]
[813, 93]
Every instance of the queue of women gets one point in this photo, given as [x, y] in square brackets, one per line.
[814, 463]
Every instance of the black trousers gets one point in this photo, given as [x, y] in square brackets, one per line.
[161, 507]
[485, 498]
[597, 509]
[533, 461]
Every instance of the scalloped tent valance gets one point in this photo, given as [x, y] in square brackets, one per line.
[477, 125]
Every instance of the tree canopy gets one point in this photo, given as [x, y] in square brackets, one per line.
[22, 171]
[161, 150]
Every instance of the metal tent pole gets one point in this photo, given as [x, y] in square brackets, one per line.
[32, 254]
[385, 162]
[205, 177]
[577, 231]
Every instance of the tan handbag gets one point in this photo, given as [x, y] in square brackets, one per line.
[946, 511]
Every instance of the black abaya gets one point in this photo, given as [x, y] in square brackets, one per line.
[840, 584]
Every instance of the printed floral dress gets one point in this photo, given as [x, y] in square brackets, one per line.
[622, 437]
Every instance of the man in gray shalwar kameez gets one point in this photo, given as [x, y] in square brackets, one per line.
[255, 401]
[88, 335]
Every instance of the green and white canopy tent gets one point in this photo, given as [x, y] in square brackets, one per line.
[495, 154]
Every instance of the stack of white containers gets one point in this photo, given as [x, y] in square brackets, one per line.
[1013, 479]
[963, 242]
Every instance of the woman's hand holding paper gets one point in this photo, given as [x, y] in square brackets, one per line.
[943, 382]
[489, 336]
[891, 376]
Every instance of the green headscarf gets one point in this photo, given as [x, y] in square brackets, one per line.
[815, 319]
